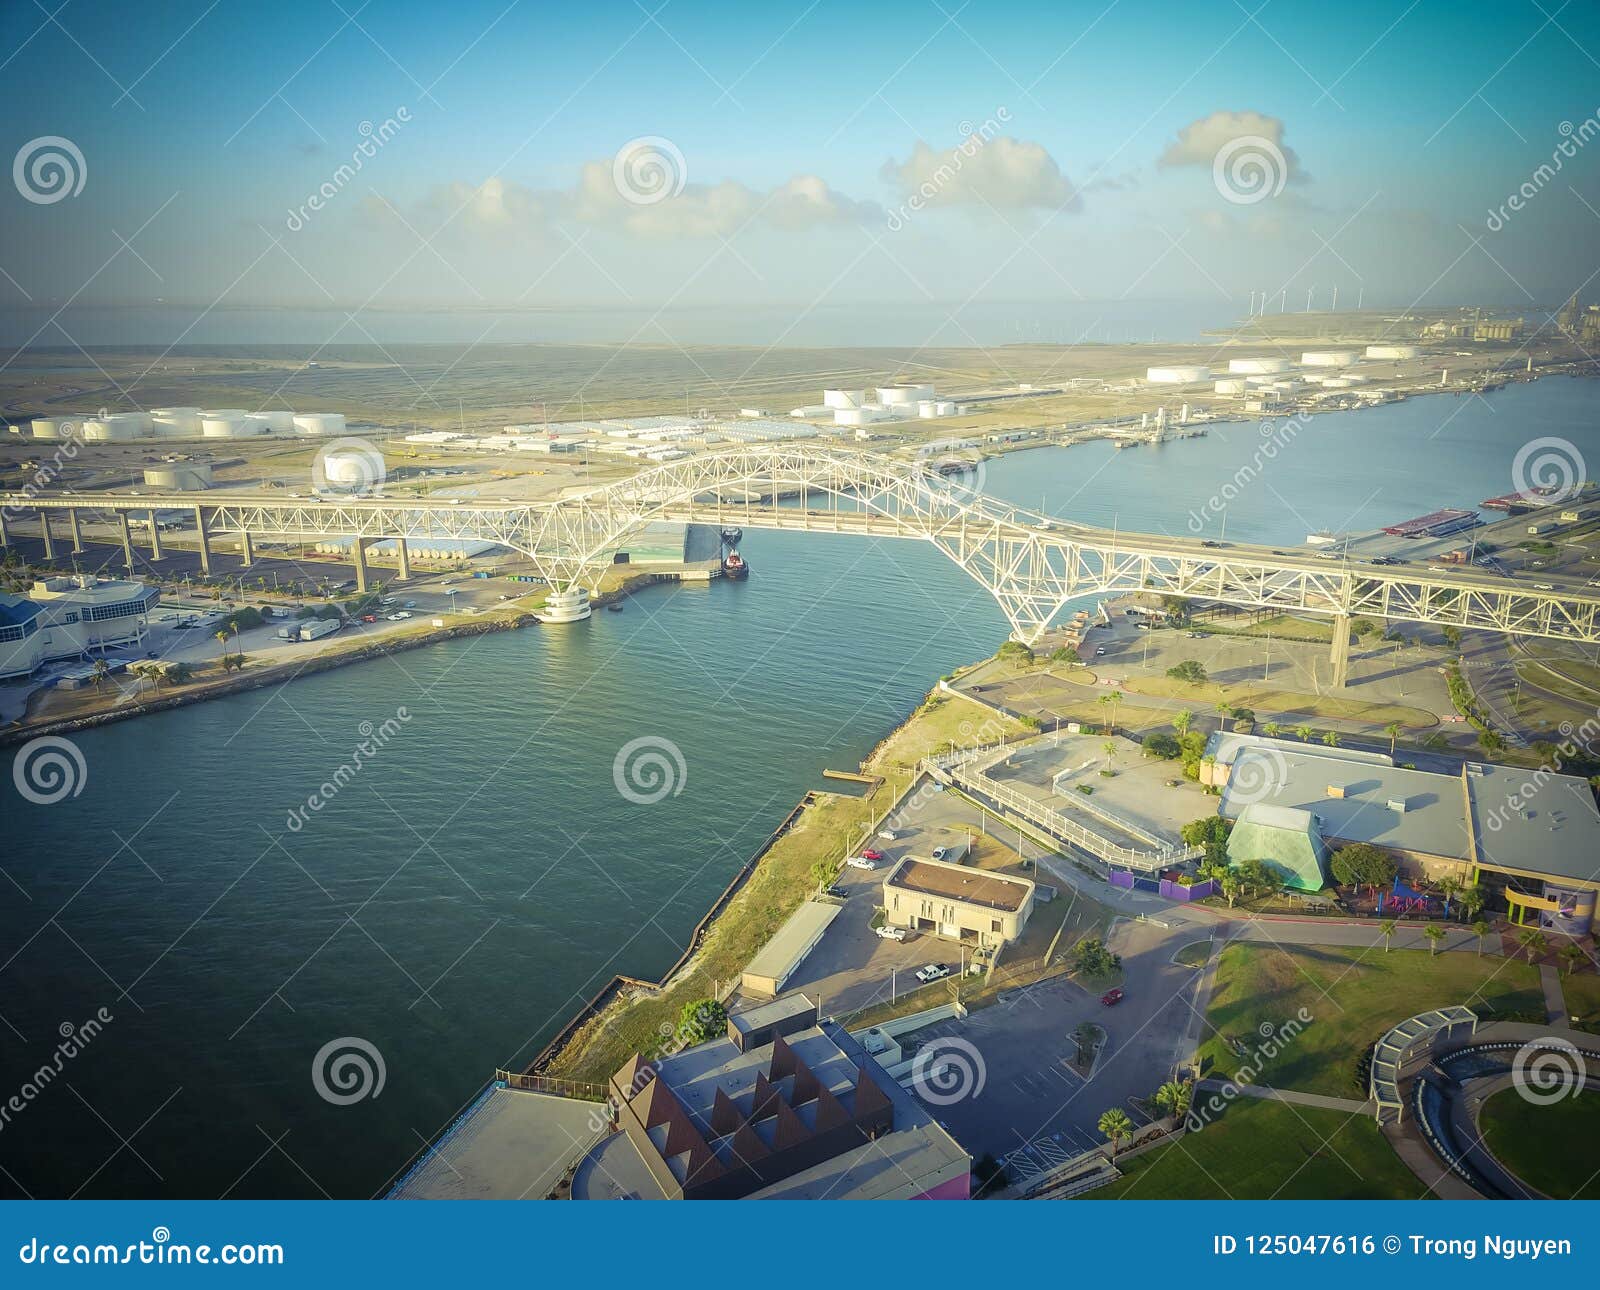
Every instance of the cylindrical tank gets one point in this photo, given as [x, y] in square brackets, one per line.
[116, 426]
[177, 423]
[319, 423]
[227, 423]
[902, 394]
[1394, 351]
[278, 420]
[1182, 375]
[1257, 366]
[56, 427]
[843, 398]
[183, 476]
[1231, 385]
[348, 468]
[1328, 357]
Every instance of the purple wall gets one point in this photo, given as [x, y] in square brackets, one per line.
[1177, 891]
[1121, 879]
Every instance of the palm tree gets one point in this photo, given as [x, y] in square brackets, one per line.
[1110, 750]
[1116, 1126]
[1331, 738]
[1116, 700]
[1181, 723]
[1572, 954]
[101, 670]
[1387, 929]
[1393, 731]
[1303, 733]
[1173, 1097]
[1272, 730]
[222, 636]
[1105, 702]
[1531, 939]
[1480, 929]
[1435, 934]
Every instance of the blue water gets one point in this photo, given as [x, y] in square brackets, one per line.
[479, 876]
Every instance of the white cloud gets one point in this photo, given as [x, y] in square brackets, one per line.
[1199, 142]
[999, 172]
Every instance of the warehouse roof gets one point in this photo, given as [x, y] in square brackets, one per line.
[957, 882]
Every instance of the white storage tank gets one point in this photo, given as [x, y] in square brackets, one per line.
[1181, 375]
[176, 423]
[224, 423]
[183, 477]
[1328, 357]
[843, 398]
[1394, 351]
[1257, 366]
[278, 420]
[903, 394]
[319, 423]
[56, 427]
[1231, 385]
[118, 426]
[351, 467]
[856, 416]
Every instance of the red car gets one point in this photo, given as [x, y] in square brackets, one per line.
[1111, 998]
[870, 854]
[369, 618]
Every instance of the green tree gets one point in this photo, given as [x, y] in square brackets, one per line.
[1533, 941]
[1182, 722]
[1115, 1126]
[1272, 730]
[1435, 934]
[700, 1020]
[1572, 954]
[1174, 1097]
[1393, 731]
[1303, 733]
[222, 637]
[1387, 929]
[1190, 670]
[1231, 887]
[1210, 832]
[1480, 929]
[1162, 745]
[102, 669]
[1331, 738]
[1363, 865]
[1109, 748]
[1091, 957]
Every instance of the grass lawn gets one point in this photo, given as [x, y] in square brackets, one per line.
[1194, 954]
[1352, 995]
[1548, 1146]
[1270, 1150]
[1281, 705]
[781, 881]
[1582, 993]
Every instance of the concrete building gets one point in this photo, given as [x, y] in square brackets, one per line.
[766, 973]
[786, 1108]
[1530, 837]
[960, 904]
[71, 618]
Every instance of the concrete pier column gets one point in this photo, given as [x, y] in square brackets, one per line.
[359, 553]
[1341, 651]
[404, 574]
[247, 548]
[5, 533]
[155, 538]
[205, 540]
[127, 540]
[49, 538]
[77, 531]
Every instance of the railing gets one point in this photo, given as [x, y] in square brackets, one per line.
[576, 1089]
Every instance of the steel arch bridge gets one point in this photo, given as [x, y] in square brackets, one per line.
[1032, 564]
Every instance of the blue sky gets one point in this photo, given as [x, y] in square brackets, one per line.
[802, 131]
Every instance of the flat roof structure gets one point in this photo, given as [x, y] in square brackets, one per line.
[957, 882]
[778, 959]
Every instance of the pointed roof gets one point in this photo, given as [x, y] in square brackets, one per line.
[783, 1059]
[870, 1099]
[830, 1111]
[791, 1130]
[767, 1098]
[806, 1084]
[725, 1115]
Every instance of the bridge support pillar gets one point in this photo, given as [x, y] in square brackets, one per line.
[5, 533]
[49, 538]
[359, 554]
[247, 548]
[127, 540]
[1341, 651]
[155, 538]
[77, 531]
[205, 540]
[404, 574]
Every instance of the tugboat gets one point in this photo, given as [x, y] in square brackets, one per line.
[732, 536]
[733, 566]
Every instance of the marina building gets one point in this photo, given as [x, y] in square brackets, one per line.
[71, 618]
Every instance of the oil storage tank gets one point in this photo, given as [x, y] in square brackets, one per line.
[319, 423]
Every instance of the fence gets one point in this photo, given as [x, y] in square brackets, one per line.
[576, 1089]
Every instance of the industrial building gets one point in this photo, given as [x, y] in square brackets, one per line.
[960, 904]
[1530, 837]
[779, 959]
[71, 618]
[785, 1107]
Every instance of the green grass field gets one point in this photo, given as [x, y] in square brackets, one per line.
[1353, 996]
[1271, 1151]
[1551, 1146]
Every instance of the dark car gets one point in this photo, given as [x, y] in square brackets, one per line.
[843, 893]
[1111, 998]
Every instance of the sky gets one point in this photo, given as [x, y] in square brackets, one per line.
[829, 160]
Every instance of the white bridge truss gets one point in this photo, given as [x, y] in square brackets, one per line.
[1032, 565]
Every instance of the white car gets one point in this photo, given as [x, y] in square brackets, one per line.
[861, 862]
[889, 835]
[933, 972]
[889, 932]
